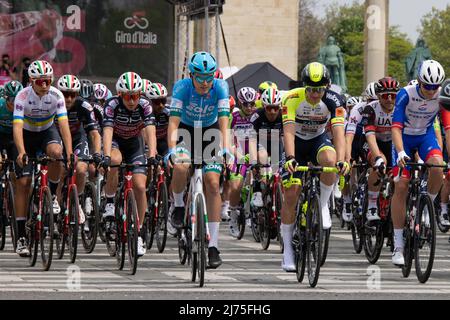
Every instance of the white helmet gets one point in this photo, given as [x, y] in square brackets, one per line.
[246, 95]
[431, 72]
[100, 91]
[271, 97]
[129, 82]
[40, 69]
[370, 91]
[69, 82]
[156, 91]
[351, 102]
[145, 84]
[413, 82]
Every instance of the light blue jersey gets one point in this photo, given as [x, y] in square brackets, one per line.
[196, 110]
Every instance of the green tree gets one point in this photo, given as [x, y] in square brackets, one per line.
[435, 31]
[399, 47]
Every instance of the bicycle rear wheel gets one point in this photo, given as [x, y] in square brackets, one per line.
[89, 236]
[278, 205]
[373, 242]
[424, 239]
[357, 225]
[299, 243]
[12, 214]
[73, 227]
[150, 223]
[163, 214]
[241, 224]
[101, 210]
[254, 225]
[132, 233]
[313, 240]
[182, 247]
[264, 222]
[46, 234]
[117, 227]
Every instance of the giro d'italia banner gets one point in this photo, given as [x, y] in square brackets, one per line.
[91, 38]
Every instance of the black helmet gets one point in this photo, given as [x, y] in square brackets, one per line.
[315, 74]
[87, 89]
[444, 96]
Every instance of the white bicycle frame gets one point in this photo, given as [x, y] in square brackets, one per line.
[196, 190]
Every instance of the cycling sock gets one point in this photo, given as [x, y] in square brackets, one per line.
[21, 227]
[325, 193]
[432, 196]
[53, 186]
[373, 196]
[286, 231]
[214, 234]
[178, 199]
[398, 238]
[443, 208]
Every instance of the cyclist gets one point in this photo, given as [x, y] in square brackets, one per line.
[377, 121]
[263, 86]
[201, 102]
[11, 90]
[306, 112]
[241, 126]
[35, 109]
[415, 110]
[356, 147]
[126, 115]
[82, 122]
[157, 94]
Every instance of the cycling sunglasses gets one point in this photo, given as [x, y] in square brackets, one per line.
[131, 96]
[387, 95]
[248, 104]
[203, 78]
[69, 94]
[272, 108]
[157, 102]
[315, 89]
[430, 87]
[40, 82]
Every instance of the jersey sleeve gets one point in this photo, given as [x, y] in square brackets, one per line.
[147, 113]
[87, 116]
[354, 119]
[178, 96]
[109, 113]
[335, 105]
[19, 105]
[368, 120]
[61, 111]
[399, 118]
[223, 98]
[289, 104]
[445, 117]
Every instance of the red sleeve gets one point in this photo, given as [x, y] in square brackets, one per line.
[445, 116]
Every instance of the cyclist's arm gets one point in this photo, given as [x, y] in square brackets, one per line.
[348, 147]
[437, 131]
[150, 133]
[96, 140]
[289, 139]
[223, 125]
[66, 136]
[18, 136]
[397, 139]
[399, 119]
[373, 146]
[107, 140]
[445, 116]
[172, 131]
[339, 142]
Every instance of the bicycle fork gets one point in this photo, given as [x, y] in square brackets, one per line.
[197, 183]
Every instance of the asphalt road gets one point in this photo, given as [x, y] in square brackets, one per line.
[248, 272]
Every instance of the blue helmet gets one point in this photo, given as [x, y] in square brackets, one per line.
[202, 63]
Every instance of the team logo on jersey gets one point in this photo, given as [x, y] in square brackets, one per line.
[340, 112]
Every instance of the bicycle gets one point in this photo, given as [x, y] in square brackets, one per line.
[193, 238]
[377, 231]
[309, 236]
[269, 221]
[40, 223]
[420, 229]
[437, 207]
[124, 230]
[156, 217]
[8, 214]
[67, 220]
[89, 201]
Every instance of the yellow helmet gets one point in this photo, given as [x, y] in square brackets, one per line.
[266, 85]
[315, 74]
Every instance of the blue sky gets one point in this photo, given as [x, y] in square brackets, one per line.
[404, 13]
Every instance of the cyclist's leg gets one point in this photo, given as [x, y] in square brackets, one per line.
[235, 187]
[81, 149]
[326, 157]
[52, 145]
[431, 153]
[112, 179]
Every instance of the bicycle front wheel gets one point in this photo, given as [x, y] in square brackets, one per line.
[201, 239]
[32, 233]
[90, 207]
[12, 214]
[46, 234]
[314, 240]
[132, 233]
[74, 213]
[424, 239]
[163, 213]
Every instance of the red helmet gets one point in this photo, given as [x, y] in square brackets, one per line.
[387, 84]
[218, 74]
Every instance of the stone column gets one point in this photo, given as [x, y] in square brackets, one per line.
[376, 36]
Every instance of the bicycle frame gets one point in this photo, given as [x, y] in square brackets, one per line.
[42, 175]
[160, 179]
[71, 182]
[127, 186]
